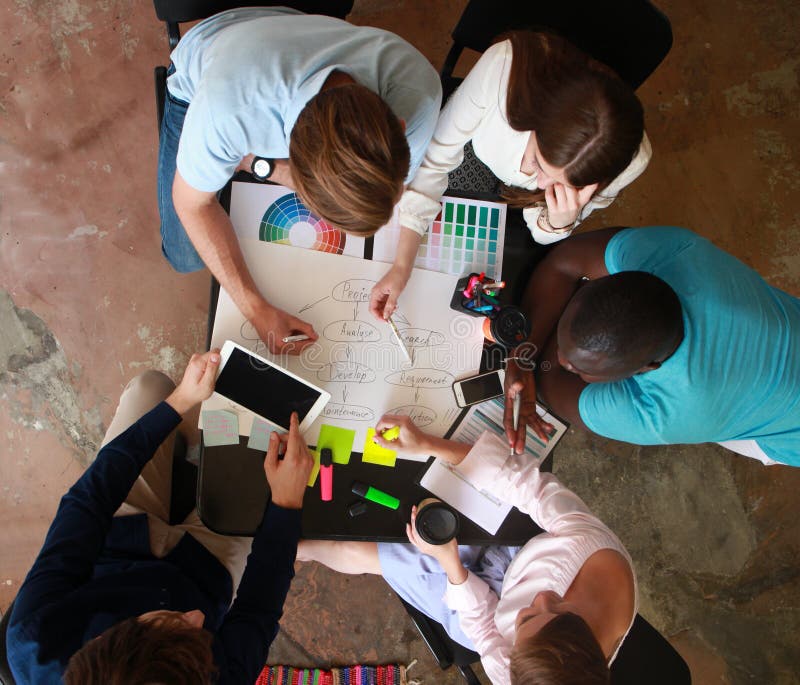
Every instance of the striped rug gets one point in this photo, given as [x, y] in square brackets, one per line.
[348, 675]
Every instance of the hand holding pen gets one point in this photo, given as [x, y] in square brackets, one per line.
[522, 382]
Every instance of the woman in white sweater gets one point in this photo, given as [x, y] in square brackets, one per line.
[560, 130]
[553, 611]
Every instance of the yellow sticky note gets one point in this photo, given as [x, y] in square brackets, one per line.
[312, 477]
[375, 454]
[338, 440]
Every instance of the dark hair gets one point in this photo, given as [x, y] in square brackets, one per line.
[631, 317]
[349, 158]
[586, 118]
[133, 652]
[563, 652]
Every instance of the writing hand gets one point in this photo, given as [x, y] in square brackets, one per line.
[288, 477]
[273, 325]
[564, 203]
[522, 381]
[383, 299]
[197, 383]
[411, 439]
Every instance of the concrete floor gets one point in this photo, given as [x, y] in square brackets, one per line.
[86, 301]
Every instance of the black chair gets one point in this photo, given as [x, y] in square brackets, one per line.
[645, 656]
[5, 670]
[175, 12]
[630, 36]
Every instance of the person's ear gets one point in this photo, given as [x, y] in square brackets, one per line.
[652, 366]
[194, 618]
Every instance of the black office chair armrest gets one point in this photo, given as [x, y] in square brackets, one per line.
[160, 76]
[5, 670]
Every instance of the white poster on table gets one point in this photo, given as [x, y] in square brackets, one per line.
[357, 359]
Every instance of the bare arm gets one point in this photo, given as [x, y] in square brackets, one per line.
[211, 232]
[383, 300]
[413, 441]
[550, 289]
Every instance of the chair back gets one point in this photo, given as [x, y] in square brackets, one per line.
[630, 36]
[5, 670]
[174, 12]
[647, 657]
[190, 10]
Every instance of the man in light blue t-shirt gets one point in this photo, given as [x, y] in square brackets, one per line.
[340, 113]
[655, 336]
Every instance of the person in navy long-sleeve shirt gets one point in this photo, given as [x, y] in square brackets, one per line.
[158, 616]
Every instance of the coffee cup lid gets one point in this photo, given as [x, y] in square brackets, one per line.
[437, 523]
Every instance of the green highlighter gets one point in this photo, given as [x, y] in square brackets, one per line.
[375, 495]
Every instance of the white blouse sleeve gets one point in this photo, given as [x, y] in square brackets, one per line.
[517, 480]
[602, 199]
[458, 121]
[476, 604]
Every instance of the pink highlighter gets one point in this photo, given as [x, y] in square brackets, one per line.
[326, 474]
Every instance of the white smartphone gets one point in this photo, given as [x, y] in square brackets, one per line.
[485, 386]
[267, 389]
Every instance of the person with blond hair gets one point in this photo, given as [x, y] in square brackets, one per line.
[562, 132]
[340, 113]
[119, 595]
[553, 611]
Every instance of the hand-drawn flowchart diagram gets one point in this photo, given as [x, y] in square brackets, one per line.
[356, 359]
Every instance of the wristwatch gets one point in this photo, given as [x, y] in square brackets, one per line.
[262, 168]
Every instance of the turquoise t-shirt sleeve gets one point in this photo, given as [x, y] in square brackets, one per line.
[618, 411]
[646, 249]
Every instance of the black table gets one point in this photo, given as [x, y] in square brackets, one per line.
[232, 490]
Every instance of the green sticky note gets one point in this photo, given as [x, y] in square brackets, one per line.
[448, 211]
[312, 477]
[484, 216]
[220, 427]
[259, 435]
[338, 440]
[375, 454]
[471, 214]
[495, 217]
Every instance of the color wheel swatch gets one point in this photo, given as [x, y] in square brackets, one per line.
[290, 222]
[467, 236]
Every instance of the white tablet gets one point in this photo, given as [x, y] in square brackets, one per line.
[267, 389]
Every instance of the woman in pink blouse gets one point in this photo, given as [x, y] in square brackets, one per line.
[553, 611]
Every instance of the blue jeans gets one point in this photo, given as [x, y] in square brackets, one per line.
[175, 244]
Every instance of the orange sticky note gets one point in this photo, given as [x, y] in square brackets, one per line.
[375, 454]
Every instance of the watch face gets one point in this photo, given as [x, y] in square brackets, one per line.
[262, 168]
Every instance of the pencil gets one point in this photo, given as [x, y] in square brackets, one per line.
[400, 341]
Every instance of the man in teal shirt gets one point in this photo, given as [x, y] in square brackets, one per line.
[655, 336]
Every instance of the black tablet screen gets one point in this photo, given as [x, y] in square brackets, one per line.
[264, 389]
